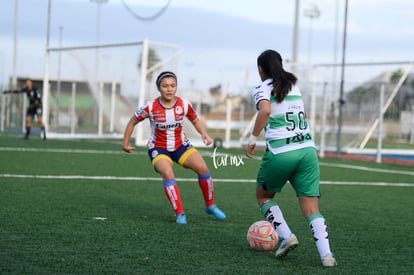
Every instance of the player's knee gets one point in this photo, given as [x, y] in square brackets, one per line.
[166, 173]
[200, 168]
[167, 176]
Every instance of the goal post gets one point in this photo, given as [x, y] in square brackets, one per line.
[148, 68]
[98, 93]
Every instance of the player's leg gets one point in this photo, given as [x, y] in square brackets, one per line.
[192, 159]
[272, 212]
[41, 125]
[306, 184]
[163, 165]
[272, 176]
[318, 227]
[28, 125]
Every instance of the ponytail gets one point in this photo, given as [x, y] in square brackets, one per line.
[283, 81]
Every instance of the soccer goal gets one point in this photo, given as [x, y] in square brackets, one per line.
[377, 108]
[92, 91]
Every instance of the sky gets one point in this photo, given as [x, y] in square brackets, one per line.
[218, 41]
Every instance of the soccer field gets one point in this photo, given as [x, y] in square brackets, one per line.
[82, 206]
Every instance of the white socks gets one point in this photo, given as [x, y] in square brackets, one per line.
[319, 230]
[274, 215]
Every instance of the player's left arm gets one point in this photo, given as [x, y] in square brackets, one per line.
[198, 125]
[192, 115]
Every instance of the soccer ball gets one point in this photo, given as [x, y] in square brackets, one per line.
[261, 236]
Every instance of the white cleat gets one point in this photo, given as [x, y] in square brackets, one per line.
[286, 246]
[328, 260]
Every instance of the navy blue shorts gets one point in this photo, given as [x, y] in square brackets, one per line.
[179, 155]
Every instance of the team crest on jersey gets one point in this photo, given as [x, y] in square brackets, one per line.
[178, 110]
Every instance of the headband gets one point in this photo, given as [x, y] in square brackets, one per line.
[164, 75]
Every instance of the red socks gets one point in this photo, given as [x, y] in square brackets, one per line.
[206, 185]
[173, 195]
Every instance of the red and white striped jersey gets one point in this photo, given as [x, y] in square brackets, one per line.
[166, 123]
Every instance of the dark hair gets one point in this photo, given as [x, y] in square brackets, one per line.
[271, 63]
[163, 75]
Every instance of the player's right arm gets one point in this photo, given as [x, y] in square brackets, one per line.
[261, 120]
[127, 135]
[261, 96]
[140, 114]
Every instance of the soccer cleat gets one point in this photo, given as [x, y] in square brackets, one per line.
[181, 219]
[328, 260]
[215, 211]
[286, 246]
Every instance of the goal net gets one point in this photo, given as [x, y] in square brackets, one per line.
[92, 91]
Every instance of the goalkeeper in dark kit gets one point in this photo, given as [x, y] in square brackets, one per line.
[34, 109]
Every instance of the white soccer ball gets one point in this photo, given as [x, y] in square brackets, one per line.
[262, 236]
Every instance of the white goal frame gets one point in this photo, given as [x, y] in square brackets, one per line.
[139, 140]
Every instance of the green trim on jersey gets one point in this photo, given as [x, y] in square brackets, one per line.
[287, 98]
[292, 97]
[277, 121]
[299, 139]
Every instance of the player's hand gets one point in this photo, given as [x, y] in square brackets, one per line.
[128, 149]
[250, 150]
[207, 139]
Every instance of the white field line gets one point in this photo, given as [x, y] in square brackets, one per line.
[81, 177]
[85, 151]
[369, 169]
[203, 152]
[81, 151]
[51, 150]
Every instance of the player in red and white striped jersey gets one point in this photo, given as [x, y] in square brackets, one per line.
[166, 123]
[168, 143]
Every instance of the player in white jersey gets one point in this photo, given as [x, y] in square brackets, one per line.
[290, 155]
[168, 143]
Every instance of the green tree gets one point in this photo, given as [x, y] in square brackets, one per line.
[215, 90]
[360, 96]
[153, 59]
